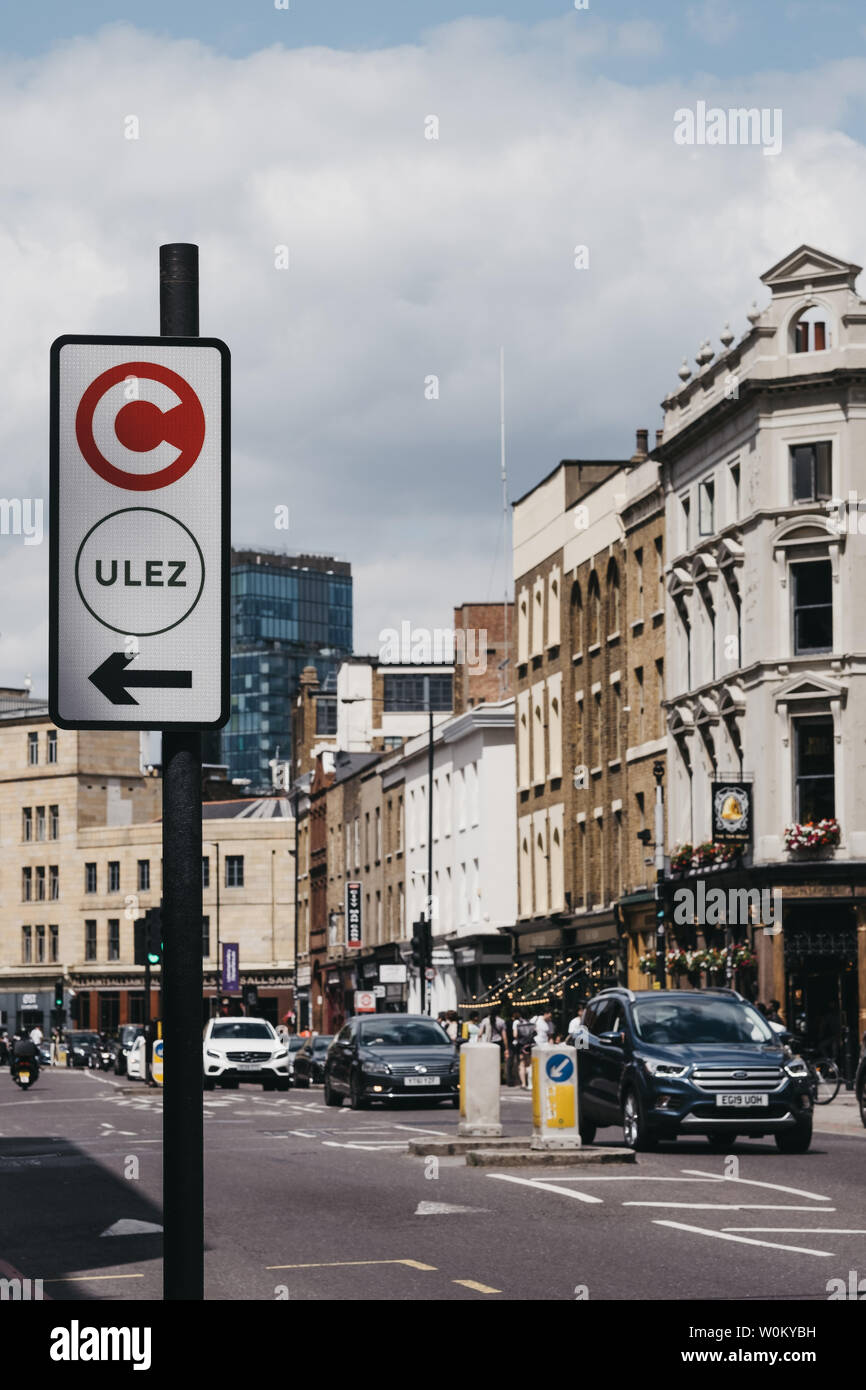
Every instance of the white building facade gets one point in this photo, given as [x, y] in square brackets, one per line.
[764, 462]
[473, 896]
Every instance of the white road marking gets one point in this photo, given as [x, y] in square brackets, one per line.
[128, 1226]
[727, 1206]
[419, 1129]
[628, 1177]
[546, 1187]
[445, 1209]
[366, 1148]
[745, 1240]
[753, 1182]
[799, 1230]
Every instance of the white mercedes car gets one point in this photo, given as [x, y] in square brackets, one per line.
[244, 1049]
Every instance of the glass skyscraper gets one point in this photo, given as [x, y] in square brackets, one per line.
[287, 612]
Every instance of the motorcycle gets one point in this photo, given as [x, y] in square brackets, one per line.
[25, 1073]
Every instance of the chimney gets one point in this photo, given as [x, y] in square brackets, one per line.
[659, 437]
[641, 446]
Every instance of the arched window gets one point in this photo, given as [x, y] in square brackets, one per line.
[594, 610]
[612, 598]
[576, 618]
[810, 330]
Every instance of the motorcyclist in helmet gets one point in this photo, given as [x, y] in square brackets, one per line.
[24, 1050]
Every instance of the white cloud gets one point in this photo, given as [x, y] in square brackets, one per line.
[713, 21]
[409, 257]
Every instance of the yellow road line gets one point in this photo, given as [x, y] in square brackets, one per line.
[479, 1288]
[88, 1278]
[345, 1264]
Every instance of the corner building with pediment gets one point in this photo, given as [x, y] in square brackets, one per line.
[763, 459]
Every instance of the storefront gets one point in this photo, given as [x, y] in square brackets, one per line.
[22, 1010]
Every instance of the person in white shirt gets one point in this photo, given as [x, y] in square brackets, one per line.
[36, 1035]
[543, 1028]
[576, 1024]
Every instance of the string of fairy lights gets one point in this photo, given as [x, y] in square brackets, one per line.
[561, 975]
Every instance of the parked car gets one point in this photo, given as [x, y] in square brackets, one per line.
[666, 1063]
[860, 1087]
[45, 1054]
[82, 1048]
[309, 1062]
[126, 1036]
[391, 1057]
[244, 1049]
[136, 1059]
[294, 1043]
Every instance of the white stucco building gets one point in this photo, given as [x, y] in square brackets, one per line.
[474, 885]
[764, 462]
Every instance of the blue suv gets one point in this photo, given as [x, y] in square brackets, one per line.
[665, 1063]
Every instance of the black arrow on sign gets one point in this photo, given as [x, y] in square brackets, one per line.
[112, 679]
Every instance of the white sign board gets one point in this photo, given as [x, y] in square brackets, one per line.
[139, 533]
[365, 1001]
[392, 974]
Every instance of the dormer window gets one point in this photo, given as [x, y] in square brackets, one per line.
[811, 332]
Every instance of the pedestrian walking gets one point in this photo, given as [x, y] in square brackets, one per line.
[524, 1037]
[493, 1030]
[36, 1035]
[452, 1025]
[543, 1028]
[471, 1028]
[575, 1026]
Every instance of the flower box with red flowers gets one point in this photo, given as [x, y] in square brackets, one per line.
[822, 834]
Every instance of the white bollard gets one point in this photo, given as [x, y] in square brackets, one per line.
[479, 1089]
[555, 1119]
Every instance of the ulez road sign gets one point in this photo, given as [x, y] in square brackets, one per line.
[139, 533]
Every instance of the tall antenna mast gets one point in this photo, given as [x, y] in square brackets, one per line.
[503, 679]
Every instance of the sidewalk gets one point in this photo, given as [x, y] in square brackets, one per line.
[841, 1116]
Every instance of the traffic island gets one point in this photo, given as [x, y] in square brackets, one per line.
[524, 1157]
[444, 1148]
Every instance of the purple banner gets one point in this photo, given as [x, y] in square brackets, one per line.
[231, 979]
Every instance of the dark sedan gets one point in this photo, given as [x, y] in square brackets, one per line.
[391, 1057]
[310, 1061]
[82, 1049]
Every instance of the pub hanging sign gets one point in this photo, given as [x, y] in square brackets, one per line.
[732, 812]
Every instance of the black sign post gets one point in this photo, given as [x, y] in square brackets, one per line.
[182, 981]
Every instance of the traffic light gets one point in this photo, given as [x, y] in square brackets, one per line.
[58, 993]
[153, 926]
[422, 944]
[147, 932]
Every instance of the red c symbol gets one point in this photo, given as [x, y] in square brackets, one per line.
[142, 426]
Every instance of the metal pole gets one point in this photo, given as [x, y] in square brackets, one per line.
[427, 953]
[659, 832]
[183, 1127]
[295, 1004]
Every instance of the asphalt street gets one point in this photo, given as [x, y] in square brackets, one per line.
[309, 1203]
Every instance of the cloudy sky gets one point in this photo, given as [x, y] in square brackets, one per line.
[409, 257]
